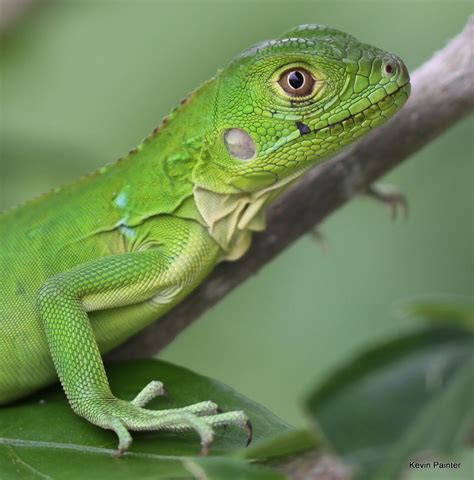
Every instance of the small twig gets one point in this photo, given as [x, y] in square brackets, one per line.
[442, 94]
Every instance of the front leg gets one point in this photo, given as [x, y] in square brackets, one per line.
[118, 280]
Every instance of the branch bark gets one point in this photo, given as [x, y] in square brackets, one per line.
[442, 94]
[11, 11]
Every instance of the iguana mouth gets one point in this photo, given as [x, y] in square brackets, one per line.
[362, 112]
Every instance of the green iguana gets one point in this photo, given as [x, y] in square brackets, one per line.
[90, 264]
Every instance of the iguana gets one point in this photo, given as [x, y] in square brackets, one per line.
[86, 266]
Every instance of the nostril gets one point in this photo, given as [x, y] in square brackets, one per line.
[389, 68]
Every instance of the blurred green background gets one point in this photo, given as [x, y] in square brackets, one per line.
[84, 81]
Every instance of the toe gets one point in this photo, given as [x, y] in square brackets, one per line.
[249, 430]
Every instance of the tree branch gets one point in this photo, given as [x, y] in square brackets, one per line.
[11, 11]
[442, 94]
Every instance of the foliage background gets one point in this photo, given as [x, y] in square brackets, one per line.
[84, 81]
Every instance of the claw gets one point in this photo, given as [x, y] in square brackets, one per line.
[320, 239]
[391, 197]
[396, 202]
[119, 452]
[165, 393]
[122, 448]
[206, 446]
[249, 429]
[125, 439]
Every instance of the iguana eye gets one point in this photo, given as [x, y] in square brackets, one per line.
[297, 82]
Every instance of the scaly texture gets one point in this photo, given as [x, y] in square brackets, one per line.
[88, 265]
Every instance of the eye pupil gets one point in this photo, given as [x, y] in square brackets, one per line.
[295, 79]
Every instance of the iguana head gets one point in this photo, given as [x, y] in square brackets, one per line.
[285, 105]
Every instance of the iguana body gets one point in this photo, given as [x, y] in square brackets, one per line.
[88, 265]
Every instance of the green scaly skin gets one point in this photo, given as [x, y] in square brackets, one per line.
[88, 265]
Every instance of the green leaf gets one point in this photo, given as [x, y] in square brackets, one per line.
[410, 394]
[439, 309]
[224, 468]
[41, 438]
[441, 427]
[285, 444]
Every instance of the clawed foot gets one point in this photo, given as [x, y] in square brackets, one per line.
[390, 196]
[121, 417]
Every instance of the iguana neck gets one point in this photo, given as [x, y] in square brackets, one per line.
[232, 218]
